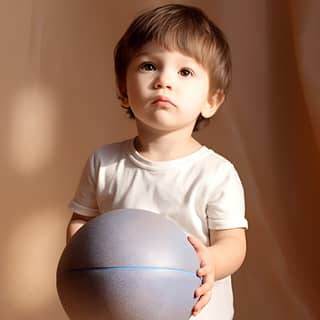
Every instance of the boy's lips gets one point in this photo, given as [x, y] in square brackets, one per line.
[163, 99]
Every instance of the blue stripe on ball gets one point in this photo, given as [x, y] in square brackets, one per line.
[134, 268]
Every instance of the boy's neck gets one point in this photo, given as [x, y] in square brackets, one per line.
[165, 147]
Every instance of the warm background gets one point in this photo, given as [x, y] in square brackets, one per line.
[57, 100]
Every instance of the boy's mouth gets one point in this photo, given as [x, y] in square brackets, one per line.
[163, 99]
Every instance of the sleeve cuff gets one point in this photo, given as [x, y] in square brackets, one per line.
[78, 208]
[225, 224]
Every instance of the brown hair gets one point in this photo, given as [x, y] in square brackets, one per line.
[177, 27]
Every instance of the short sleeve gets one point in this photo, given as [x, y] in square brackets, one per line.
[226, 208]
[84, 201]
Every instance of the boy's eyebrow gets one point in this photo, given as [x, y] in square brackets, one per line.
[142, 53]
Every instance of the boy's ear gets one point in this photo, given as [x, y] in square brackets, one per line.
[124, 100]
[213, 104]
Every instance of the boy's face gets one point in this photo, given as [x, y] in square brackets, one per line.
[167, 90]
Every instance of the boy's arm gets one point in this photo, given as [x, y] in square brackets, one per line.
[228, 248]
[76, 222]
[221, 259]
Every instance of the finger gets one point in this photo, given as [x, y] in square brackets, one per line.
[203, 289]
[196, 243]
[204, 270]
[201, 303]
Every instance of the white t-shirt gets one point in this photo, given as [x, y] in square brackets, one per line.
[198, 192]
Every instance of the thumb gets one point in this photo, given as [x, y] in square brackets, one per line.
[196, 243]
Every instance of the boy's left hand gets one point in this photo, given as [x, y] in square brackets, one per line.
[207, 273]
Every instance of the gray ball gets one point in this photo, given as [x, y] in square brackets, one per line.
[128, 264]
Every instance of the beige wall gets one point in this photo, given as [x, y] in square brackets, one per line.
[57, 103]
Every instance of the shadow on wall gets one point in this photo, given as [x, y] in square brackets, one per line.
[32, 230]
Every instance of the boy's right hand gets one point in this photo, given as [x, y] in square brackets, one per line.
[77, 221]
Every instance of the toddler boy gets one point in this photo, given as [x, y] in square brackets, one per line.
[173, 71]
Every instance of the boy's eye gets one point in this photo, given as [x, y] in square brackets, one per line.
[185, 72]
[147, 66]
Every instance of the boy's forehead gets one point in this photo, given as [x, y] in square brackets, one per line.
[151, 47]
[154, 49]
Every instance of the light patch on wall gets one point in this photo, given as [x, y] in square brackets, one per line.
[34, 247]
[32, 129]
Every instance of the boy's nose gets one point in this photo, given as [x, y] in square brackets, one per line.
[163, 82]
